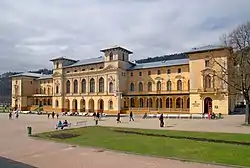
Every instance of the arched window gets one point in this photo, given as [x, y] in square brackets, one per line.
[83, 86]
[158, 103]
[48, 91]
[208, 81]
[150, 103]
[169, 86]
[188, 103]
[132, 87]
[149, 86]
[57, 89]
[140, 87]
[179, 102]
[111, 56]
[179, 85]
[111, 87]
[141, 103]
[158, 86]
[132, 102]
[68, 86]
[101, 85]
[57, 103]
[110, 104]
[75, 86]
[169, 103]
[92, 85]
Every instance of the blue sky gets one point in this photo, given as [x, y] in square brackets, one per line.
[34, 31]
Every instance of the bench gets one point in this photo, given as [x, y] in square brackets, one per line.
[184, 116]
[80, 123]
[63, 126]
[173, 115]
[196, 116]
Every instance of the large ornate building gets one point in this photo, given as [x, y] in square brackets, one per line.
[178, 83]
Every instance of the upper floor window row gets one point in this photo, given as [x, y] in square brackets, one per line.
[92, 86]
[159, 86]
[179, 70]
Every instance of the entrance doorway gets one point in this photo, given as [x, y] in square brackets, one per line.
[208, 105]
[91, 105]
[101, 106]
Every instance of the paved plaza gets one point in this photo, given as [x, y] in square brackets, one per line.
[17, 150]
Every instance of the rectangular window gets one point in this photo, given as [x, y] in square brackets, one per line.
[179, 70]
[140, 73]
[149, 72]
[206, 63]
[158, 72]
[131, 74]
[169, 71]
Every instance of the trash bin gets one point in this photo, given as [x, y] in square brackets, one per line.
[29, 129]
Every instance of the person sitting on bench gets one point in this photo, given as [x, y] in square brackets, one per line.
[59, 125]
[65, 123]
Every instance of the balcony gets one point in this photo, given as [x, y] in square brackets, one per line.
[41, 95]
[212, 90]
[159, 92]
[160, 110]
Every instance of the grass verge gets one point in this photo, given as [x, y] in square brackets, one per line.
[210, 152]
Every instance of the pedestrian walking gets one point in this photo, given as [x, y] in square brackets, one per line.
[161, 118]
[118, 118]
[17, 114]
[53, 114]
[131, 117]
[10, 115]
[57, 115]
[48, 115]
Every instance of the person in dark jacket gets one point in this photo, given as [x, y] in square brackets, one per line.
[131, 118]
[118, 118]
[53, 114]
[161, 118]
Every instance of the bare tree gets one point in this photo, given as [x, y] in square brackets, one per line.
[236, 73]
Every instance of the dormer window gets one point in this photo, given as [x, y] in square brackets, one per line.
[57, 65]
[75, 70]
[83, 69]
[67, 71]
[123, 57]
[91, 68]
[111, 56]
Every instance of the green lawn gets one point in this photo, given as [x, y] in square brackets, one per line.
[107, 137]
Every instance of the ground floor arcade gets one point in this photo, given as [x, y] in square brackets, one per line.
[137, 104]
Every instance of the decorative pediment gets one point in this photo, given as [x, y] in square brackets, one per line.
[110, 67]
[159, 78]
[57, 83]
[208, 71]
[179, 77]
[56, 74]
[111, 79]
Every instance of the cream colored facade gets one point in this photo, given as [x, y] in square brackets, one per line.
[112, 83]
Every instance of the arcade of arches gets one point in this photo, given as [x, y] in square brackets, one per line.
[168, 104]
[86, 105]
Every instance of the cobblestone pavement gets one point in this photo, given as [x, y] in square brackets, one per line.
[15, 144]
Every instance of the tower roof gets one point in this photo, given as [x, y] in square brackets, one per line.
[115, 48]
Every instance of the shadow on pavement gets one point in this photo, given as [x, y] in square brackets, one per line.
[8, 163]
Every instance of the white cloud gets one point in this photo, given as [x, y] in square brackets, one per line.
[34, 31]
